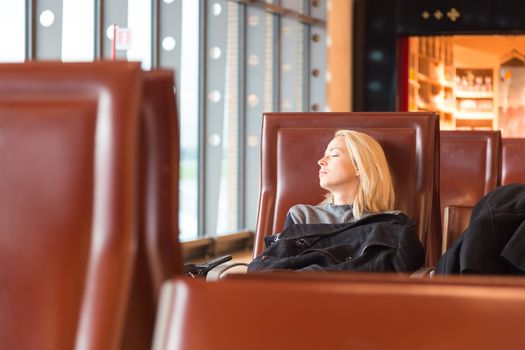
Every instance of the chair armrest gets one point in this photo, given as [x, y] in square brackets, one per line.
[222, 270]
[201, 270]
[456, 219]
[423, 272]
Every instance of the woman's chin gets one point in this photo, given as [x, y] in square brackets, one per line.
[324, 186]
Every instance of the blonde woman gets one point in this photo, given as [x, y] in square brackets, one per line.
[355, 173]
[356, 227]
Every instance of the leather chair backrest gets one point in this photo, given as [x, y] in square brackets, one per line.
[293, 142]
[512, 161]
[158, 251]
[67, 202]
[469, 166]
[317, 313]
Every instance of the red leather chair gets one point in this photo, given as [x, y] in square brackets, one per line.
[469, 169]
[293, 142]
[365, 312]
[158, 253]
[512, 161]
[68, 136]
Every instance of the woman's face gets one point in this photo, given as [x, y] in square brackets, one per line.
[337, 172]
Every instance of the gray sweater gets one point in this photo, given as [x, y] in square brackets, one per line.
[324, 213]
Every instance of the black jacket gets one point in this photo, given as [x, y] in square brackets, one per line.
[380, 243]
[494, 241]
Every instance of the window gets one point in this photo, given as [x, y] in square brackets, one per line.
[258, 58]
[12, 21]
[233, 60]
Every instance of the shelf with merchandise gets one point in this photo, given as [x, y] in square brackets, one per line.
[473, 115]
[431, 77]
[422, 78]
[475, 97]
[474, 94]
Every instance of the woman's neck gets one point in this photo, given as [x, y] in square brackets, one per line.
[342, 198]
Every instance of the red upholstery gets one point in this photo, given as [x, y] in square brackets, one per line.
[293, 142]
[513, 161]
[469, 169]
[319, 313]
[158, 253]
[67, 202]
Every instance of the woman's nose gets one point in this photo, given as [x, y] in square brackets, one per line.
[321, 161]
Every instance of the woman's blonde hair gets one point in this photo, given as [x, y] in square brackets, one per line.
[376, 191]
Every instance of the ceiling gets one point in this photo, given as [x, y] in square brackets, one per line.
[492, 44]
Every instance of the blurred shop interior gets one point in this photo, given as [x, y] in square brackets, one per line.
[473, 82]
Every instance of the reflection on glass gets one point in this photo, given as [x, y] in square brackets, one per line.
[12, 21]
[47, 18]
[110, 31]
[169, 43]
[253, 100]
[78, 26]
[214, 96]
[214, 140]
[260, 88]
[189, 120]
[292, 56]
[268, 62]
[253, 21]
[217, 9]
[294, 5]
[227, 215]
[253, 60]
[215, 53]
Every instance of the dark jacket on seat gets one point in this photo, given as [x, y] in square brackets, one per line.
[494, 241]
[380, 243]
